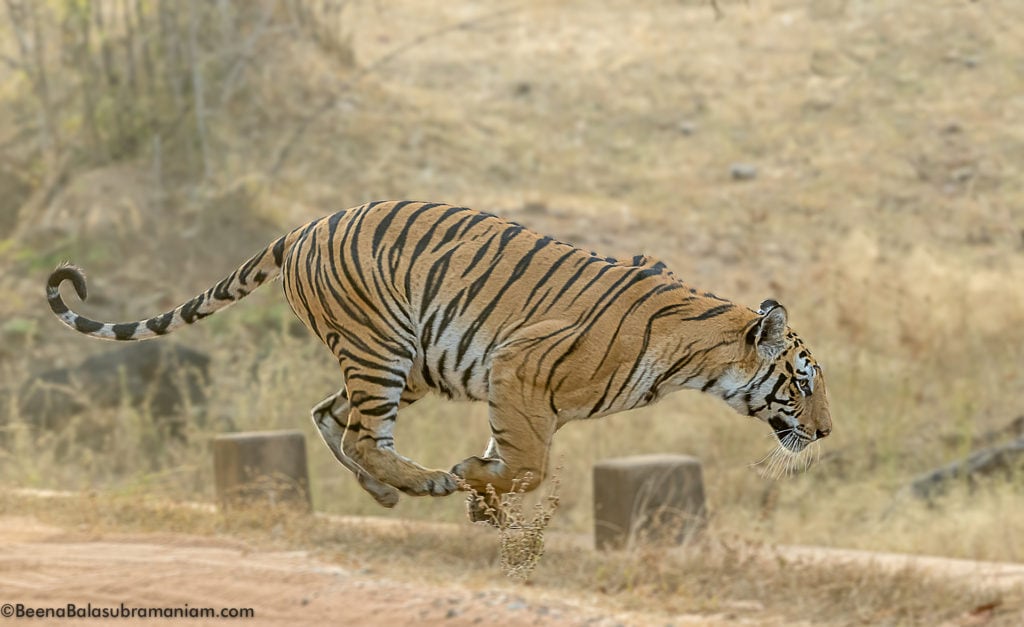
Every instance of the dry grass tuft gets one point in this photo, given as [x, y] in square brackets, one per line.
[520, 536]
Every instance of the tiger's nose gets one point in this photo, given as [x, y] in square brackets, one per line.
[823, 433]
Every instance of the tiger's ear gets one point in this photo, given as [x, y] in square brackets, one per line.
[767, 333]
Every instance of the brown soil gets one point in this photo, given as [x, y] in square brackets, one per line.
[45, 566]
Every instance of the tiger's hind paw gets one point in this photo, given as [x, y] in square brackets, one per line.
[384, 494]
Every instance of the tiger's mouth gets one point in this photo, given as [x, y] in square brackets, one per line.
[788, 437]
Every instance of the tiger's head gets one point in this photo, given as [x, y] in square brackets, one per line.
[780, 382]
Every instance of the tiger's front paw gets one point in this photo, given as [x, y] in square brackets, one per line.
[478, 472]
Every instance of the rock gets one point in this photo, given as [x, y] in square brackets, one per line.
[1004, 459]
[962, 175]
[743, 171]
[818, 103]
[647, 498]
[162, 378]
[522, 89]
[261, 467]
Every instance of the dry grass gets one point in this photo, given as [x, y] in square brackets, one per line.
[886, 215]
[719, 576]
[520, 535]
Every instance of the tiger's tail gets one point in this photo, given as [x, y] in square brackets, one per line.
[260, 268]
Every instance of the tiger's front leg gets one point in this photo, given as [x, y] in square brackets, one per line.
[522, 425]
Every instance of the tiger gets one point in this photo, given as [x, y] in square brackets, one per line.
[418, 297]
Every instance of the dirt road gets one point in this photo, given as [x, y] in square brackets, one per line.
[47, 567]
[43, 566]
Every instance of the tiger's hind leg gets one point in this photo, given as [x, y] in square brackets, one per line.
[375, 398]
[331, 417]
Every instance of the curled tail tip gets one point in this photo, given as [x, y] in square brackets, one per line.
[68, 272]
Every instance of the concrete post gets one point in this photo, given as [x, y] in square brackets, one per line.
[647, 498]
[266, 467]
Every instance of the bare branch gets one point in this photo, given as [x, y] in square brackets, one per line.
[12, 63]
[197, 87]
[285, 151]
[245, 54]
[719, 14]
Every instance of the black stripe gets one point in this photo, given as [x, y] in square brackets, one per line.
[243, 272]
[572, 280]
[125, 331]
[452, 234]
[220, 291]
[424, 241]
[604, 395]
[398, 243]
[190, 310]
[467, 374]
[583, 290]
[159, 324]
[544, 279]
[87, 326]
[605, 300]
[385, 223]
[278, 251]
[376, 380]
[478, 256]
[380, 410]
[435, 279]
[442, 379]
[517, 273]
[637, 303]
[370, 365]
[771, 398]
[666, 311]
[297, 283]
[711, 313]
[57, 305]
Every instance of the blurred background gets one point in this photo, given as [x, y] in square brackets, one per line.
[861, 162]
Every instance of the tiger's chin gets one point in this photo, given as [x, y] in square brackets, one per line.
[788, 438]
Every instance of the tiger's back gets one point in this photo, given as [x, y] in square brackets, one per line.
[449, 286]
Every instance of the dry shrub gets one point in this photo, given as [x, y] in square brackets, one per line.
[520, 535]
[731, 575]
[275, 490]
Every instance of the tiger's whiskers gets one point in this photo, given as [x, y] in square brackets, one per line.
[781, 461]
